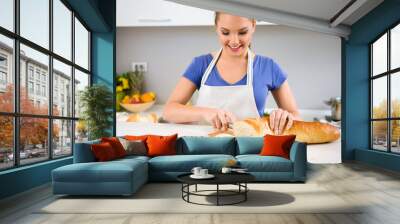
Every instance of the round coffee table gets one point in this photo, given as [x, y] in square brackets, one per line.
[238, 179]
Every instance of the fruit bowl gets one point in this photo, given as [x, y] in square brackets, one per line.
[137, 107]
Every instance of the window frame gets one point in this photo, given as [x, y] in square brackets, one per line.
[16, 114]
[388, 74]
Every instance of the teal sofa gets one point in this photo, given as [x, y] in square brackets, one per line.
[125, 176]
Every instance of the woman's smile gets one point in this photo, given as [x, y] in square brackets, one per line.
[235, 49]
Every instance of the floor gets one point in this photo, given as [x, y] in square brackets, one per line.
[378, 188]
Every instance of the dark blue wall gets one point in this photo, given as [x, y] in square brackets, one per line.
[356, 85]
[99, 16]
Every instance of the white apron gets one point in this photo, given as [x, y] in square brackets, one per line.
[238, 99]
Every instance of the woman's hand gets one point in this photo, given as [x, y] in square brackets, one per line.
[278, 119]
[218, 118]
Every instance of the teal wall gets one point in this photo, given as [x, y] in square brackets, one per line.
[103, 53]
[99, 16]
[356, 85]
[24, 178]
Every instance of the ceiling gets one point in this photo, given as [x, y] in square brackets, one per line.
[317, 15]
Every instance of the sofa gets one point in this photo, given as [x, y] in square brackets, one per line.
[126, 175]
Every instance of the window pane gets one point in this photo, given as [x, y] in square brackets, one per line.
[81, 45]
[395, 94]
[62, 138]
[33, 139]
[35, 21]
[6, 142]
[395, 138]
[6, 74]
[81, 132]
[395, 47]
[81, 81]
[62, 29]
[34, 72]
[379, 135]
[7, 14]
[379, 97]
[62, 89]
[379, 55]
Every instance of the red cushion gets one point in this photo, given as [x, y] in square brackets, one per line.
[277, 145]
[161, 145]
[103, 151]
[116, 145]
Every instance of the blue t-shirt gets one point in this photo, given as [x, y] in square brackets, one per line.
[267, 76]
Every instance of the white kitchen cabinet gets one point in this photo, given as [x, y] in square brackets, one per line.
[144, 13]
[160, 13]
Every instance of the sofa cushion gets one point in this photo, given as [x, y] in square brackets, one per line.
[116, 145]
[111, 171]
[185, 163]
[195, 145]
[161, 145]
[277, 145]
[257, 163]
[103, 152]
[134, 147]
[249, 145]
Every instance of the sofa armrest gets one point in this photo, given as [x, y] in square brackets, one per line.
[298, 155]
[83, 152]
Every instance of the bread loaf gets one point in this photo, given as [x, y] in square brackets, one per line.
[136, 117]
[308, 132]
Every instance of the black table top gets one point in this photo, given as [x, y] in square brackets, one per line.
[220, 178]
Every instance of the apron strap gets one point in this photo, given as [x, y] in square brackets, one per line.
[249, 81]
[210, 67]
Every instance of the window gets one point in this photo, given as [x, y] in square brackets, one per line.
[34, 24]
[3, 78]
[49, 80]
[3, 61]
[385, 94]
[7, 14]
[37, 89]
[37, 74]
[81, 45]
[6, 73]
[3, 72]
[30, 87]
[30, 72]
[44, 91]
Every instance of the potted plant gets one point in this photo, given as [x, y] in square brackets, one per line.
[96, 103]
[335, 104]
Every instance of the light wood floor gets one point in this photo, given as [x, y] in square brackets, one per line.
[378, 188]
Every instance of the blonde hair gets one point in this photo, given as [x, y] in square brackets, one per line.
[217, 14]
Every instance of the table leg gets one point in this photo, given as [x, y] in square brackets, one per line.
[217, 194]
[245, 193]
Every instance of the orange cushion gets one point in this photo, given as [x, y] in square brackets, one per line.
[103, 151]
[116, 145]
[135, 138]
[277, 145]
[161, 145]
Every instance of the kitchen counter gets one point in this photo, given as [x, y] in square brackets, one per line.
[317, 153]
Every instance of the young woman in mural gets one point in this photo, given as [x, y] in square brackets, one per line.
[233, 83]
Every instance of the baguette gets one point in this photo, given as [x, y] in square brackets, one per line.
[136, 117]
[307, 132]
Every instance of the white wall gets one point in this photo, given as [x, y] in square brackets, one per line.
[311, 60]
